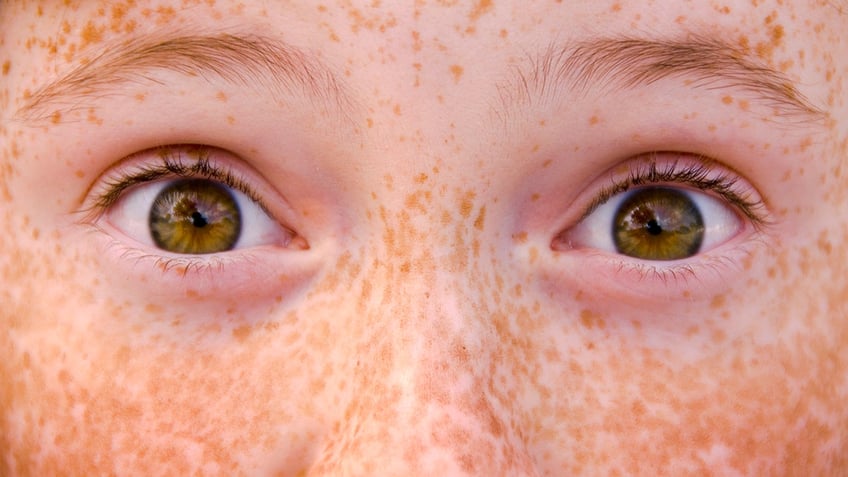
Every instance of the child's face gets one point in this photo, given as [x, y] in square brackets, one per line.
[426, 286]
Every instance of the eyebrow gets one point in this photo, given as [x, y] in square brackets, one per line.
[245, 61]
[608, 64]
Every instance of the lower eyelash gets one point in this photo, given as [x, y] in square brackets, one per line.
[182, 266]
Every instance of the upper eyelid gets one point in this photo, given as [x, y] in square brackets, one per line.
[697, 171]
[166, 161]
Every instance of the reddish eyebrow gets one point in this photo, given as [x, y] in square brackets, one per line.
[246, 61]
[606, 64]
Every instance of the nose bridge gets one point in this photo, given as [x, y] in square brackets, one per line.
[429, 410]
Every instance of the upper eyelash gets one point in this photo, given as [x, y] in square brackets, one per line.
[697, 174]
[172, 164]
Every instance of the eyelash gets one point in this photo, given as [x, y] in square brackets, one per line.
[699, 173]
[171, 166]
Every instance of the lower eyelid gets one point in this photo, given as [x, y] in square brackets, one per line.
[610, 276]
[260, 272]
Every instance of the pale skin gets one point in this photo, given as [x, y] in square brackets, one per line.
[426, 304]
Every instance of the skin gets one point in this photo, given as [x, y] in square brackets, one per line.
[431, 326]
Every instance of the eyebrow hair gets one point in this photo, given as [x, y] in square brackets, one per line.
[613, 63]
[245, 61]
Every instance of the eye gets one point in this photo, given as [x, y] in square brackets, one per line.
[657, 223]
[664, 207]
[187, 204]
[194, 216]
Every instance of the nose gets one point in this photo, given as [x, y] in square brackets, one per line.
[434, 413]
[430, 394]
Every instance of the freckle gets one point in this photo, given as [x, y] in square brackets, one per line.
[479, 222]
[221, 96]
[481, 8]
[747, 262]
[242, 332]
[534, 197]
[56, 117]
[7, 65]
[777, 34]
[466, 204]
[594, 120]
[446, 217]
[616, 7]
[727, 99]
[680, 19]
[152, 308]
[590, 320]
[504, 33]
[396, 110]
[231, 120]
[743, 105]
[91, 34]
[534, 254]
[421, 178]
[717, 302]
[547, 163]
[369, 122]
[456, 71]
[79, 173]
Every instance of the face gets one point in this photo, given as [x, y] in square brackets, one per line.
[289, 238]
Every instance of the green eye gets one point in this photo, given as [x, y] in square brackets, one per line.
[195, 216]
[658, 224]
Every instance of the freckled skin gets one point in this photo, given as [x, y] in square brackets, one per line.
[430, 328]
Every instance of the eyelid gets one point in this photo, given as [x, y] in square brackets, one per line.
[676, 169]
[168, 161]
[185, 160]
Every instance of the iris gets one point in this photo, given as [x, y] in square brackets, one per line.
[195, 216]
[658, 223]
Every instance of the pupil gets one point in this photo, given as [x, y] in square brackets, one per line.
[653, 227]
[198, 220]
